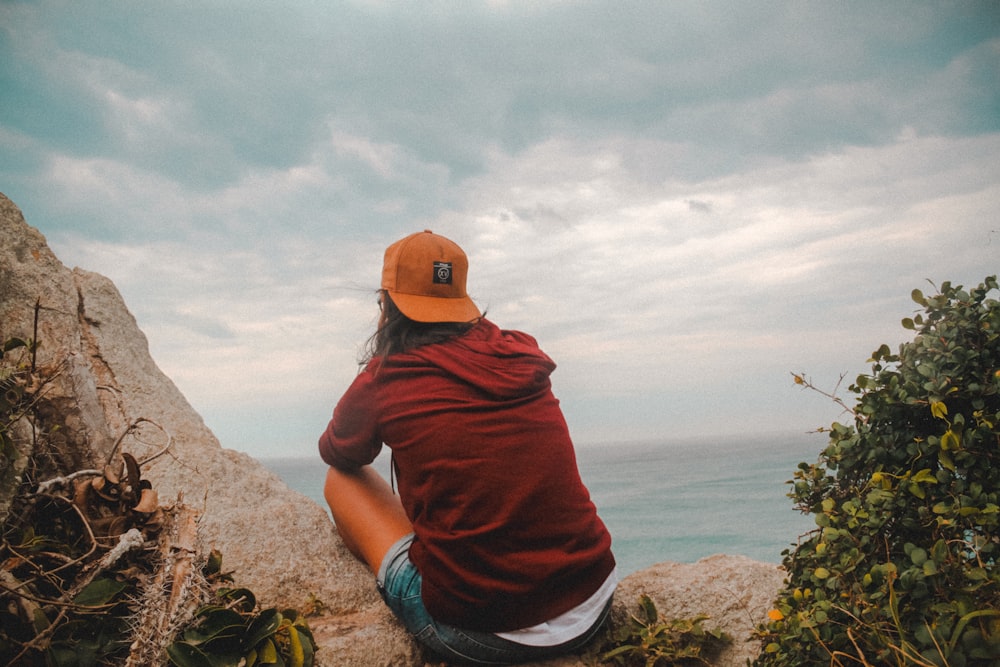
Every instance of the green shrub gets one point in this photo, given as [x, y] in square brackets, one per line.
[902, 567]
[649, 641]
[235, 631]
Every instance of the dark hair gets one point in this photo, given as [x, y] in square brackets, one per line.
[398, 333]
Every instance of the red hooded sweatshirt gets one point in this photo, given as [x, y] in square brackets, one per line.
[506, 535]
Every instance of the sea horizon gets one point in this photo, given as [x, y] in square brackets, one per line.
[667, 500]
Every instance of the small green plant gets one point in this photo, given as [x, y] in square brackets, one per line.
[233, 632]
[650, 642]
[902, 566]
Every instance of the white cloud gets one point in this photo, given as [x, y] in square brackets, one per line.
[683, 202]
[632, 291]
[799, 268]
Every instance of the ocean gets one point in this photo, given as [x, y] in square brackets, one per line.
[670, 500]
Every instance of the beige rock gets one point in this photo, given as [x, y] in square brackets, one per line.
[278, 542]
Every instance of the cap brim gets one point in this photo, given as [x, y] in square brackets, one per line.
[421, 308]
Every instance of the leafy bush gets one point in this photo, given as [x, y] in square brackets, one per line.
[901, 569]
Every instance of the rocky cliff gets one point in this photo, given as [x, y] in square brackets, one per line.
[110, 393]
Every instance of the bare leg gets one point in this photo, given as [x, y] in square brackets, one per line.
[367, 513]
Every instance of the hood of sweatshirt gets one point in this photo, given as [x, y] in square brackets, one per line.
[503, 364]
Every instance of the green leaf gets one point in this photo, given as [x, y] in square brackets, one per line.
[216, 623]
[944, 458]
[941, 508]
[186, 655]
[648, 609]
[226, 659]
[882, 352]
[213, 566]
[14, 343]
[621, 650]
[99, 592]
[296, 651]
[950, 440]
[268, 653]
[306, 644]
[63, 656]
[976, 574]
[262, 627]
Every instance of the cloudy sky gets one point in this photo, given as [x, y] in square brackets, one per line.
[684, 202]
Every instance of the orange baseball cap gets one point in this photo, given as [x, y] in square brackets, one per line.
[425, 275]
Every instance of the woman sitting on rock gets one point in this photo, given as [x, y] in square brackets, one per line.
[492, 553]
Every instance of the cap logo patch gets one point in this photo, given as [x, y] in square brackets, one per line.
[442, 273]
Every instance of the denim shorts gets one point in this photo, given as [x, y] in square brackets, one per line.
[399, 583]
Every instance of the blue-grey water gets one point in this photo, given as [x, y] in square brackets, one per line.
[678, 501]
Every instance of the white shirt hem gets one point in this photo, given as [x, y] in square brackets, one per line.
[570, 624]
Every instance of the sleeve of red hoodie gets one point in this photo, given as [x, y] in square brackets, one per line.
[351, 438]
